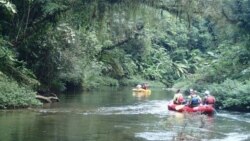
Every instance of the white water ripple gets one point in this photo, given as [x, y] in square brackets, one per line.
[155, 107]
[234, 137]
[240, 117]
[169, 136]
[156, 136]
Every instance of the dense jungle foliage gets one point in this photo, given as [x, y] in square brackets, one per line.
[60, 45]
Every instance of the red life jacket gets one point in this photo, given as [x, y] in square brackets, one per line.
[210, 100]
[180, 99]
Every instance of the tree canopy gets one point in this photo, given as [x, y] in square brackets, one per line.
[60, 45]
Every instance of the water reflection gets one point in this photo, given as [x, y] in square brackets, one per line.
[141, 95]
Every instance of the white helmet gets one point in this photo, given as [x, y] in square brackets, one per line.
[207, 92]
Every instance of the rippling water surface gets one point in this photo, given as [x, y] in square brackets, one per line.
[116, 115]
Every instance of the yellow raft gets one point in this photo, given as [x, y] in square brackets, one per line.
[148, 91]
[141, 92]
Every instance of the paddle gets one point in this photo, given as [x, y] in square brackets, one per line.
[178, 107]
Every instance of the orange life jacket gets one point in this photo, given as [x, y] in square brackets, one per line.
[210, 100]
[180, 99]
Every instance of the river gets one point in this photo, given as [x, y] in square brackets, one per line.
[114, 114]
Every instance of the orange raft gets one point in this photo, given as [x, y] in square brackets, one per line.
[204, 109]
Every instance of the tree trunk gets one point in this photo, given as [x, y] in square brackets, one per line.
[49, 99]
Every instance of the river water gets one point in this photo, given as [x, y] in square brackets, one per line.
[114, 114]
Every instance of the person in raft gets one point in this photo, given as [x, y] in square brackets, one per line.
[208, 99]
[194, 100]
[178, 97]
[145, 86]
[138, 86]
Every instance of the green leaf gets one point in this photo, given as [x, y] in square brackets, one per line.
[10, 7]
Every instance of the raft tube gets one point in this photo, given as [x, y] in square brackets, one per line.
[203, 109]
[140, 90]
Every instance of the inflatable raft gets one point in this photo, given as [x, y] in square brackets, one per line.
[204, 109]
[141, 92]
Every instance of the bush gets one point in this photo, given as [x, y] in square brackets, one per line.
[232, 95]
[12, 95]
[135, 80]
[107, 81]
